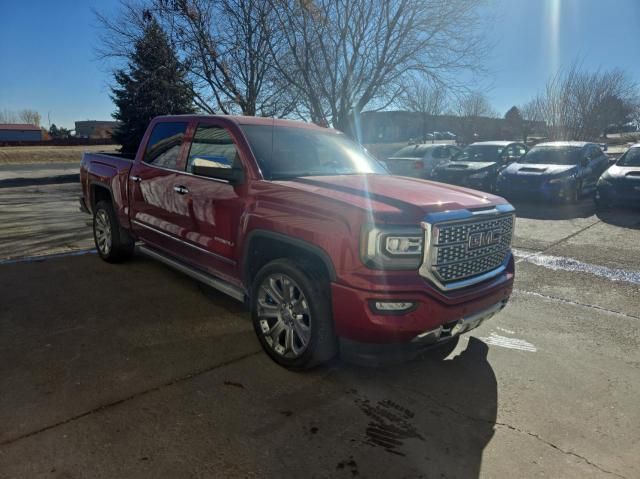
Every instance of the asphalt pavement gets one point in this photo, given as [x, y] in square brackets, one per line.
[134, 370]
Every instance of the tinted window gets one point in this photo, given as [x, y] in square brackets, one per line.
[289, 152]
[595, 152]
[553, 155]
[214, 144]
[480, 153]
[163, 148]
[630, 158]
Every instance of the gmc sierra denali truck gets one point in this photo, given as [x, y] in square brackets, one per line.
[329, 251]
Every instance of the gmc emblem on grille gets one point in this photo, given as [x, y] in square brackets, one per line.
[484, 238]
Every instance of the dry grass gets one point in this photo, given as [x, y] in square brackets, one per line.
[48, 154]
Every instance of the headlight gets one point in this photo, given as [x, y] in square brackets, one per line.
[392, 248]
[479, 176]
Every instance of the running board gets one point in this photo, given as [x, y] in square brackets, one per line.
[216, 283]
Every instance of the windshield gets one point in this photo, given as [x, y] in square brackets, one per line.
[481, 153]
[413, 151]
[289, 152]
[630, 158]
[553, 155]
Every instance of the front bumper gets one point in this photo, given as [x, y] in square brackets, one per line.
[621, 195]
[482, 184]
[429, 321]
[544, 192]
[374, 354]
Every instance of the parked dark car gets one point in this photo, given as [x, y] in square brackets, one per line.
[620, 184]
[554, 171]
[419, 161]
[479, 164]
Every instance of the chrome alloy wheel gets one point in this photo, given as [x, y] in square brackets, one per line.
[284, 316]
[103, 232]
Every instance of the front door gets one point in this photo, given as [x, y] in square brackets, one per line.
[155, 204]
[210, 208]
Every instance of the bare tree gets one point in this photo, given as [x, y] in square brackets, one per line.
[426, 98]
[470, 109]
[27, 116]
[343, 55]
[226, 46]
[580, 105]
[7, 116]
[30, 117]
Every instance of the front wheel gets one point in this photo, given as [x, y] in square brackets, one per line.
[113, 244]
[291, 313]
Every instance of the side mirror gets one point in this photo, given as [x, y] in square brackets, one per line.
[218, 168]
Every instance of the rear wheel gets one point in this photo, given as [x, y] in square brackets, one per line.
[112, 243]
[291, 313]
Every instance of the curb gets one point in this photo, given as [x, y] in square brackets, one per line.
[46, 180]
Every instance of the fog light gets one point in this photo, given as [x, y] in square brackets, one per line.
[392, 307]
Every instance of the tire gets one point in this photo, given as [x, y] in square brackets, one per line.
[291, 315]
[113, 244]
[439, 353]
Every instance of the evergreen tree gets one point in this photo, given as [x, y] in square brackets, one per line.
[154, 84]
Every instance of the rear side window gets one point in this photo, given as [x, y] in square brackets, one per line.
[164, 145]
[215, 145]
[596, 152]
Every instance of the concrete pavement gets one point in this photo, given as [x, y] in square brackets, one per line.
[134, 370]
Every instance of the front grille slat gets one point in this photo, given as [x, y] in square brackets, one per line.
[452, 255]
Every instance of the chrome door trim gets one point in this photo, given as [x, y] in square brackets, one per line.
[223, 259]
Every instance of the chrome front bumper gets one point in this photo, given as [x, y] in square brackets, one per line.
[463, 325]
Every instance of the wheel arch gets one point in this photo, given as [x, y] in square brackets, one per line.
[262, 247]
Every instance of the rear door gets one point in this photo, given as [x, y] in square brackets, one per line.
[155, 206]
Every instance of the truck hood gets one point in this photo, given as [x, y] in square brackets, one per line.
[522, 169]
[391, 199]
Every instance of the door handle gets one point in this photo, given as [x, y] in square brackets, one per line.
[181, 190]
[135, 179]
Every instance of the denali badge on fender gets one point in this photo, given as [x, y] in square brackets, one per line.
[484, 238]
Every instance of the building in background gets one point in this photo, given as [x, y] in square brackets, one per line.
[95, 129]
[20, 132]
[402, 126]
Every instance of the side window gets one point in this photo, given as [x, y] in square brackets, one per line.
[596, 153]
[213, 145]
[509, 152]
[163, 148]
[439, 152]
[521, 150]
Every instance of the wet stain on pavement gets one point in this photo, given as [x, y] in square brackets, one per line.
[389, 426]
[350, 464]
[235, 385]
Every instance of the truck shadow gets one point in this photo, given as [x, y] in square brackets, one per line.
[550, 211]
[428, 418]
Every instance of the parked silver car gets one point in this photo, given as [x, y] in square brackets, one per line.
[419, 160]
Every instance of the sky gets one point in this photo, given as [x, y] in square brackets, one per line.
[48, 60]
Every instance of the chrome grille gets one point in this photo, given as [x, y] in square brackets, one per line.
[453, 260]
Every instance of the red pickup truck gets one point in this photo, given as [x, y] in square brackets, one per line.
[329, 251]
